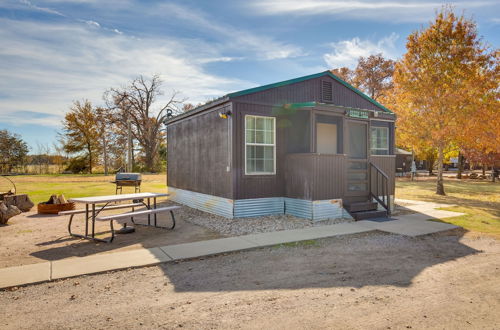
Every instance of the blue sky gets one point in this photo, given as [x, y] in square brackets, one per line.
[53, 52]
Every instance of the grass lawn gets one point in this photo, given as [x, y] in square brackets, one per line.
[480, 200]
[40, 187]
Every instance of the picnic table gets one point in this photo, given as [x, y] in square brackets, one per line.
[92, 210]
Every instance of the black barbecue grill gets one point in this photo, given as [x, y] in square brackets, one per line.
[128, 180]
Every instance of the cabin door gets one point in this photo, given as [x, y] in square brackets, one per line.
[357, 159]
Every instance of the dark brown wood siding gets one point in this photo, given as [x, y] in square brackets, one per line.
[256, 186]
[309, 91]
[198, 154]
[315, 176]
[388, 165]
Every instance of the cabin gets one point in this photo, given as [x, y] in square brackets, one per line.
[313, 147]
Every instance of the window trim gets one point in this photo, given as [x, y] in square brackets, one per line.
[372, 148]
[245, 144]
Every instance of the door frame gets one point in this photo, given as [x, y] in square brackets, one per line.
[347, 140]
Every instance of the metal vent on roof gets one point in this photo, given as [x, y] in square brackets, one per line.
[326, 91]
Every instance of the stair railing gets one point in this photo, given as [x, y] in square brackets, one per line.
[379, 187]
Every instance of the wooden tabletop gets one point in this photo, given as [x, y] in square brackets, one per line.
[115, 198]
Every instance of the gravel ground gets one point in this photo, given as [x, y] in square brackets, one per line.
[237, 227]
[364, 281]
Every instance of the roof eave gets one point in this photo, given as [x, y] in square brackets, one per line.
[197, 110]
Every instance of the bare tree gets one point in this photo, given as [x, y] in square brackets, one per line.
[137, 103]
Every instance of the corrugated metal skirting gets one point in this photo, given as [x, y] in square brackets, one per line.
[207, 203]
[300, 208]
[256, 207]
[315, 210]
[327, 209]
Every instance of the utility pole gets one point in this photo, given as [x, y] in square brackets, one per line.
[129, 146]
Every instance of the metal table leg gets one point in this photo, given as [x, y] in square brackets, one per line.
[93, 220]
[154, 206]
[149, 208]
[86, 219]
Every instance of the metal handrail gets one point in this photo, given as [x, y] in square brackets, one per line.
[386, 197]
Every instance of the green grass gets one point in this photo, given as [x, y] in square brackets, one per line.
[40, 187]
[479, 200]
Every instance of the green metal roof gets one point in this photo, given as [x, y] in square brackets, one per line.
[304, 78]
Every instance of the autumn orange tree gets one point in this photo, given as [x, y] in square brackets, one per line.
[81, 132]
[373, 75]
[345, 74]
[436, 83]
[480, 139]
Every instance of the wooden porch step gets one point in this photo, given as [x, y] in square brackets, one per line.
[364, 215]
[361, 206]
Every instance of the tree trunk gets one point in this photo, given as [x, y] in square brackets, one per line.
[105, 152]
[484, 169]
[430, 165]
[460, 165]
[440, 185]
[7, 212]
[89, 149]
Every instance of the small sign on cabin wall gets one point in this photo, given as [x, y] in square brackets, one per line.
[354, 113]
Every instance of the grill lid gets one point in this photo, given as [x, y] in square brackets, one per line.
[128, 177]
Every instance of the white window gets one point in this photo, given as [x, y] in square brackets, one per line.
[260, 145]
[380, 140]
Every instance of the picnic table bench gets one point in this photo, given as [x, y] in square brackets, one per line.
[92, 210]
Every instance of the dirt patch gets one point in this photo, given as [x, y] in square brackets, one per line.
[375, 280]
[30, 238]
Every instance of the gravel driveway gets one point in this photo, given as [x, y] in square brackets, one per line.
[364, 281]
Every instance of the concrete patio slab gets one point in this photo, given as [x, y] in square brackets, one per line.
[27, 274]
[413, 228]
[205, 248]
[296, 235]
[106, 262]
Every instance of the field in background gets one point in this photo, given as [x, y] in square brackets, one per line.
[40, 187]
[480, 200]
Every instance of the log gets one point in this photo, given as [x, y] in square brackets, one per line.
[21, 201]
[7, 212]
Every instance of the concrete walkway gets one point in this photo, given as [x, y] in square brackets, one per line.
[409, 225]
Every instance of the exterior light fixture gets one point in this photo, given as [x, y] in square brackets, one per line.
[225, 115]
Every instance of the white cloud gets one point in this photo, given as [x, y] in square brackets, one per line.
[347, 52]
[92, 23]
[33, 118]
[263, 47]
[42, 9]
[45, 66]
[394, 11]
